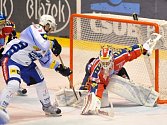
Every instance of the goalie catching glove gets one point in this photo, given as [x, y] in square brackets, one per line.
[91, 104]
[63, 70]
[56, 49]
[150, 44]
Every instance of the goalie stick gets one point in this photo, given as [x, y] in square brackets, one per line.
[107, 114]
[69, 79]
[146, 58]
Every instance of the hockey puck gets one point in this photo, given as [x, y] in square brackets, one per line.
[24, 91]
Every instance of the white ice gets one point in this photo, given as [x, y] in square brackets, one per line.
[26, 110]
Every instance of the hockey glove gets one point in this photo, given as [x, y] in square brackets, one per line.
[12, 36]
[151, 43]
[56, 48]
[63, 70]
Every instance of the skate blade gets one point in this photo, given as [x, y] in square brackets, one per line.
[21, 94]
[52, 115]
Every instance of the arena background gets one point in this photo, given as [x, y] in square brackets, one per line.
[24, 12]
[26, 110]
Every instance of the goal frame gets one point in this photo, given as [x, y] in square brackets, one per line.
[157, 30]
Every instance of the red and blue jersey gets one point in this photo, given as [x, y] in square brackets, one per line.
[6, 31]
[100, 78]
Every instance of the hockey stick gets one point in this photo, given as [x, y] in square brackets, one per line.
[69, 79]
[146, 58]
[107, 114]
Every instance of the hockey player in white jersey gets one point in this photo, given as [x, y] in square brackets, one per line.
[18, 63]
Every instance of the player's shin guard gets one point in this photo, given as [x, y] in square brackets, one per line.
[6, 96]
[8, 92]
[44, 98]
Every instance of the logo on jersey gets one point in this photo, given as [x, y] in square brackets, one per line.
[14, 71]
[34, 55]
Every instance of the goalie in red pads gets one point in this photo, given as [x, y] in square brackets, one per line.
[103, 68]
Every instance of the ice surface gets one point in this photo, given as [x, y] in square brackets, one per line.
[26, 110]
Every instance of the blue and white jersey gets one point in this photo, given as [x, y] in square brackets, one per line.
[31, 46]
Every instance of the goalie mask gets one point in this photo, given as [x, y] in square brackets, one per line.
[106, 58]
[48, 20]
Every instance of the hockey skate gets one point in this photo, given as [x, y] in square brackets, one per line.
[22, 92]
[4, 117]
[52, 111]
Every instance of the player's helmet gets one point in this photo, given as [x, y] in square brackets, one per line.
[48, 19]
[106, 58]
[2, 19]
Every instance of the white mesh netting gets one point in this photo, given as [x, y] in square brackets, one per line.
[91, 32]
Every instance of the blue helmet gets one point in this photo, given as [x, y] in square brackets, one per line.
[2, 18]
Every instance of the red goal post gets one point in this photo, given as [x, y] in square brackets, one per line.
[89, 31]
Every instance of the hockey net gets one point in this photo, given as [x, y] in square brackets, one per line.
[89, 31]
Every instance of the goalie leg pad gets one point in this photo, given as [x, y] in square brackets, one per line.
[65, 97]
[133, 92]
[105, 100]
[91, 105]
